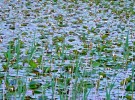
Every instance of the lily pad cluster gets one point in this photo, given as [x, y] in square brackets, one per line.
[67, 49]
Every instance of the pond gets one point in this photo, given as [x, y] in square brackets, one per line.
[67, 49]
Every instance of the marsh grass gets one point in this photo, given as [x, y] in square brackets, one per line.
[126, 49]
[109, 89]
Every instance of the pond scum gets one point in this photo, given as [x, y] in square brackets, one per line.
[67, 49]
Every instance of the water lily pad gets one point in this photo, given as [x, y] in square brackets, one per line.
[37, 91]
[47, 69]
[129, 97]
[39, 60]
[102, 74]
[96, 64]
[33, 64]
[125, 81]
[130, 86]
[104, 36]
[34, 85]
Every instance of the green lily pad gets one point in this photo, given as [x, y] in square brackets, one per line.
[104, 36]
[34, 85]
[33, 64]
[48, 70]
[125, 81]
[129, 97]
[39, 59]
[130, 86]
[96, 64]
[83, 86]
[103, 74]
[37, 91]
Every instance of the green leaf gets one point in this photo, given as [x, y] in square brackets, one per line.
[96, 64]
[47, 85]
[130, 86]
[55, 0]
[37, 91]
[32, 64]
[126, 81]
[129, 97]
[48, 70]
[34, 85]
[126, 47]
[104, 36]
[39, 59]
[102, 74]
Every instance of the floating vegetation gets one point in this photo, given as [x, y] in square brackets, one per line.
[67, 50]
